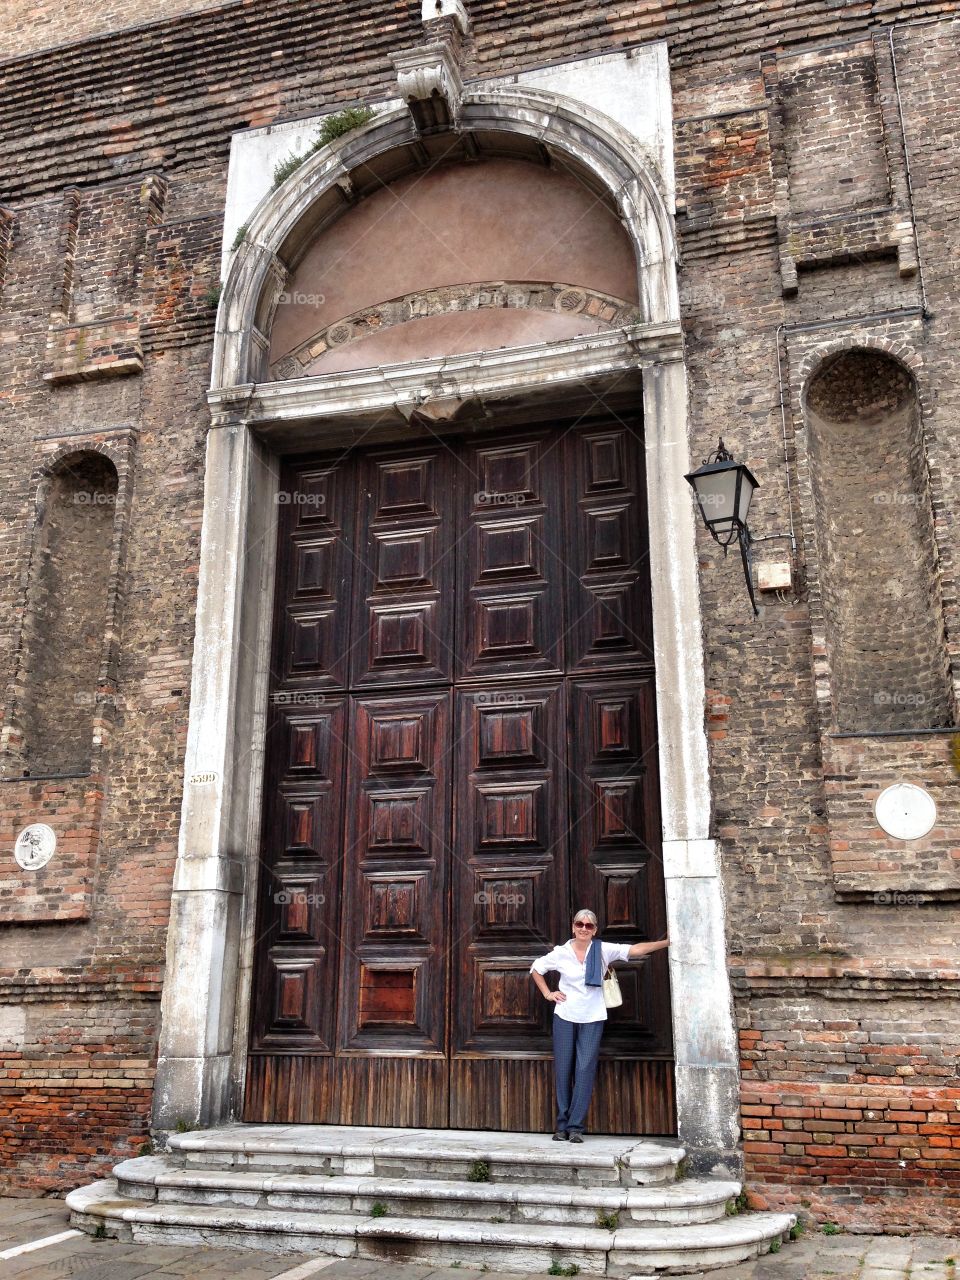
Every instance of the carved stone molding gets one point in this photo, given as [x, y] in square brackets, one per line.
[430, 84]
[604, 309]
[278, 408]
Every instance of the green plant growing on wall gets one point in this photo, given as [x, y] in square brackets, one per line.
[335, 126]
[284, 168]
[239, 238]
[343, 122]
[212, 297]
[479, 1172]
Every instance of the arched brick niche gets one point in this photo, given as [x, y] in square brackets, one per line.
[62, 701]
[878, 568]
[66, 619]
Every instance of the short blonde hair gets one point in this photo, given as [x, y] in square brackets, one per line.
[585, 914]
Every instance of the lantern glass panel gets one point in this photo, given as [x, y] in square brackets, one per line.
[718, 494]
[747, 487]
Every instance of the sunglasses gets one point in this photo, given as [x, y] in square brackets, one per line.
[584, 924]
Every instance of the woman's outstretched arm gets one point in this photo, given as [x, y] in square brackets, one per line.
[644, 948]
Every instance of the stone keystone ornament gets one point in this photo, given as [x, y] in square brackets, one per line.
[35, 846]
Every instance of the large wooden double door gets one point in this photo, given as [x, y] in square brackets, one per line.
[461, 749]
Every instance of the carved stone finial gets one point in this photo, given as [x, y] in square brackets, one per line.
[430, 84]
[433, 9]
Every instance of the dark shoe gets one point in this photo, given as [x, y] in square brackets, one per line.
[560, 1136]
[576, 1137]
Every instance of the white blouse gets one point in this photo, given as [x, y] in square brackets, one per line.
[583, 1003]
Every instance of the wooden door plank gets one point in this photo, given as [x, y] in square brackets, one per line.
[408, 1092]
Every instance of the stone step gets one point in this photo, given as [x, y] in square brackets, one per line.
[159, 1179]
[664, 1250]
[430, 1153]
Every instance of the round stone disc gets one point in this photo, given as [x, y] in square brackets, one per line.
[905, 812]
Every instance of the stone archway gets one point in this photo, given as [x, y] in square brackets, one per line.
[207, 987]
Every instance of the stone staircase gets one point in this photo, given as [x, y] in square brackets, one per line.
[506, 1201]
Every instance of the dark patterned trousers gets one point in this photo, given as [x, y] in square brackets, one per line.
[576, 1048]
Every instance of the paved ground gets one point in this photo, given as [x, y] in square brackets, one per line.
[814, 1257]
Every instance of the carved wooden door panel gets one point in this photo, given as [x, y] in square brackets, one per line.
[462, 749]
[393, 977]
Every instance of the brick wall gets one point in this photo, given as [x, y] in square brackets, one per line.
[791, 803]
[29, 26]
[76, 1070]
[63, 889]
[834, 136]
[867, 863]
[850, 1097]
[80, 973]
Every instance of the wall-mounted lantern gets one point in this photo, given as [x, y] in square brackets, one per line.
[724, 490]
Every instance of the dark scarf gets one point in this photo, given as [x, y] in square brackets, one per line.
[594, 976]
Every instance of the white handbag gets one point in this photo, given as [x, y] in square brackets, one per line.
[612, 995]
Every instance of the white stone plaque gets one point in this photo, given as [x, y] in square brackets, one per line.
[905, 812]
[35, 846]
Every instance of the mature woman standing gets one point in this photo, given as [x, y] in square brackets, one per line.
[579, 1014]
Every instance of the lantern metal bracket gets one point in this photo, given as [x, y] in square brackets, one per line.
[746, 556]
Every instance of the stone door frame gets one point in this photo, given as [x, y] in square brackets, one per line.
[207, 989]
